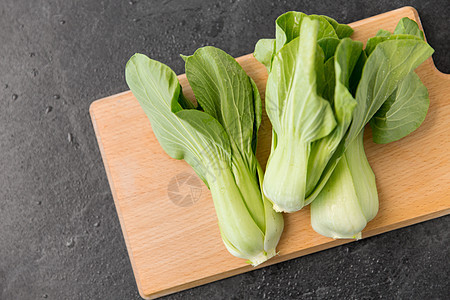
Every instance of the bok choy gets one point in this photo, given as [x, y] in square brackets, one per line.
[392, 97]
[322, 89]
[217, 138]
[310, 108]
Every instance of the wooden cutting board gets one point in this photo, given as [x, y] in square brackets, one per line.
[167, 214]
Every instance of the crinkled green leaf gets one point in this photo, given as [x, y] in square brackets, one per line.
[292, 102]
[373, 42]
[224, 91]
[328, 85]
[258, 114]
[342, 30]
[356, 74]
[408, 26]
[403, 111]
[385, 68]
[346, 58]
[264, 51]
[298, 114]
[287, 28]
[383, 32]
[328, 46]
[157, 89]
[389, 63]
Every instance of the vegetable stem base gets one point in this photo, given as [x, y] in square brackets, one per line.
[262, 257]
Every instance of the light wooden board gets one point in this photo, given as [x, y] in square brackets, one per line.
[174, 243]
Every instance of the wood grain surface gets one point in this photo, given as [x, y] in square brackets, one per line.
[167, 214]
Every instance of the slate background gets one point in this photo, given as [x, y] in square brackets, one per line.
[59, 233]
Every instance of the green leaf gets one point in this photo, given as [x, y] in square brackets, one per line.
[356, 74]
[383, 32]
[287, 28]
[225, 161]
[264, 51]
[321, 81]
[346, 58]
[404, 26]
[224, 91]
[373, 42]
[408, 26]
[287, 104]
[386, 67]
[389, 63]
[258, 114]
[186, 103]
[298, 114]
[403, 111]
[328, 46]
[328, 84]
[157, 89]
[342, 30]
[347, 55]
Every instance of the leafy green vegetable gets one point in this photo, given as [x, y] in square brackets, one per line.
[299, 116]
[264, 50]
[408, 26]
[219, 142]
[299, 93]
[287, 28]
[403, 111]
[342, 30]
[346, 197]
[226, 93]
[349, 199]
[374, 41]
[383, 71]
[356, 74]
[346, 58]
[405, 29]
[322, 89]
[407, 106]
[328, 46]
[385, 68]
[383, 32]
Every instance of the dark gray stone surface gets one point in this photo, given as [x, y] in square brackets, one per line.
[59, 233]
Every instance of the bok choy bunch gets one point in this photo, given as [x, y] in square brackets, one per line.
[217, 138]
[322, 89]
[309, 106]
[395, 101]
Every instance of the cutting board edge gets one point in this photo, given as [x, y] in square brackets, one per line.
[92, 109]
